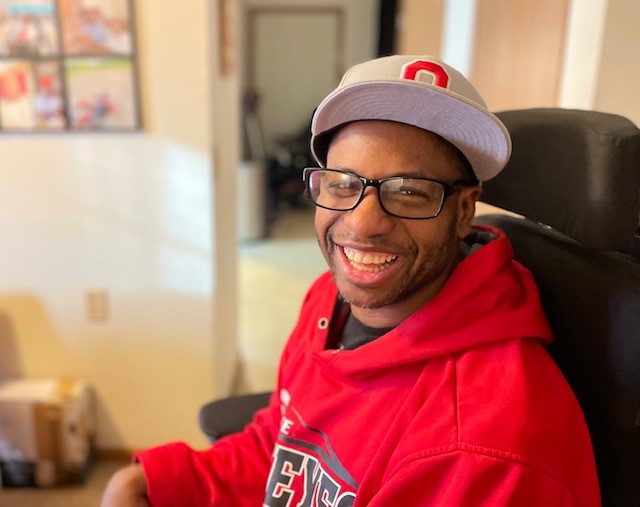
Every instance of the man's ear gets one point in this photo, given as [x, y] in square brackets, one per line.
[467, 198]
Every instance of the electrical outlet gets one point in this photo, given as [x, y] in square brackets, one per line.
[97, 305]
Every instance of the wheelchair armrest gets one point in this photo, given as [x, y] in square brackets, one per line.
[230, 415]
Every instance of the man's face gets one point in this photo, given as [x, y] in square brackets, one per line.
[386, 268]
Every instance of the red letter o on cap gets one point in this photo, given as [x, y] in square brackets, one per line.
[440, 76]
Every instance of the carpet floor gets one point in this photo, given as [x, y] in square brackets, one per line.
[80, 495]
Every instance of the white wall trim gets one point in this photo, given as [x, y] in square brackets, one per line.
[583, 48]
[459, 26]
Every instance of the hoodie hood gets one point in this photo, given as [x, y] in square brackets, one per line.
[488, 298]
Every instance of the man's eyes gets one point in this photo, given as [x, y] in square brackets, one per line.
[343, 185]
[408, 191]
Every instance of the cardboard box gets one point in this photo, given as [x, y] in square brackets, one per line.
[47, 429]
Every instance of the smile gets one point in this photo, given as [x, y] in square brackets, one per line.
[370, 262]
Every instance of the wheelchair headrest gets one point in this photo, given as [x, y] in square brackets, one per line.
[575, 171]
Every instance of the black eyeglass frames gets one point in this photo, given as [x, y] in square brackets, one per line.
[399, 196]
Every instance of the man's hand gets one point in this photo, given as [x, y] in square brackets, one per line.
[127, 488]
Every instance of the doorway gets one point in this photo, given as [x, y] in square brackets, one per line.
[295, 58]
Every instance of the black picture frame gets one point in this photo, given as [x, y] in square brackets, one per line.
[68, 66]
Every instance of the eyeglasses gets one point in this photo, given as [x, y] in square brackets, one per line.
[413, 198]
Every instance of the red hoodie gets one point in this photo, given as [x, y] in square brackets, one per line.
[459, 405]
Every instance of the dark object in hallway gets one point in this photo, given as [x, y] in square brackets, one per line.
[291, 155]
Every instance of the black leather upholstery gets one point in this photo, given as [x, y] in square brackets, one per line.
[229, 415]
[575, 171]
[589, 281]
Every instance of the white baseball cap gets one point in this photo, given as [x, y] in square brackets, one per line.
[416, 90]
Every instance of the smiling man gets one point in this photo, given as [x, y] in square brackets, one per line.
[417, 373]
[387, 268]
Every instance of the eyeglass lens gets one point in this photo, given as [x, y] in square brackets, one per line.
[404, 197]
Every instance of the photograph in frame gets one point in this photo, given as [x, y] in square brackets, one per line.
[101, 94]
[49, 100]
[28, 28]
[96, 27]
[31, 95]
[17, 95]
[67, 65]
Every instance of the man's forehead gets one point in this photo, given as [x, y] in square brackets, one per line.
[391, 133]
[434, 156]
[385, 129]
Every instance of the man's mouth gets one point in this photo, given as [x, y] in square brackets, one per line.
[370, 262]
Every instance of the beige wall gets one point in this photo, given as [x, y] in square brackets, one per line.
[131, 214]
[420, 27]
[598, 67]
[517, 53]
[617, 85]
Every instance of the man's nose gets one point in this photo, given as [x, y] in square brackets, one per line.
[368, 218]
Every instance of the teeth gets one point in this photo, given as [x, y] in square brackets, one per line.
[368, 262]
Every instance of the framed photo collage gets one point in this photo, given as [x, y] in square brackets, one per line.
[67, 65]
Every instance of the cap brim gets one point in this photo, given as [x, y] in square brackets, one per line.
[476, 132]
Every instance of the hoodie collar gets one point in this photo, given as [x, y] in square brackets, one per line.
[488, 298]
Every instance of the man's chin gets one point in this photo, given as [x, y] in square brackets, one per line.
[366, 298]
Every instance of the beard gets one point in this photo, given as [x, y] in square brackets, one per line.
[438, 262]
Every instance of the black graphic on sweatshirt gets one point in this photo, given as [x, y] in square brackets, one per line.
[306, 471]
